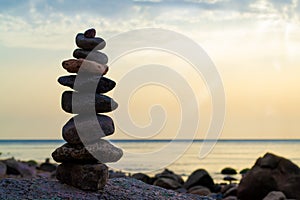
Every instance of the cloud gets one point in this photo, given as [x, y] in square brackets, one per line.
[47, 24]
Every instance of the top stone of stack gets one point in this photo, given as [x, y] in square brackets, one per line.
[88, 41]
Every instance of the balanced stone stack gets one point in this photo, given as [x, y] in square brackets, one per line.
[82, 158]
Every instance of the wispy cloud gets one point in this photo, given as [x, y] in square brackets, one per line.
[46, 24]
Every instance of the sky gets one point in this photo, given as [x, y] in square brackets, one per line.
[254, 45]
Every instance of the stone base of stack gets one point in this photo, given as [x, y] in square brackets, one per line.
[83, 176]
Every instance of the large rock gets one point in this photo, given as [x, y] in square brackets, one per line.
[87, 83]
[200, 177]
[93, 43]
[19, 168]
[88, 127]
[85, 177]
[115, 189]
[275, 195]
[2, 169]
[84, 66]
[96, 56]
[103, 151]
[270, 173]
[87, 103]
[167, 183]
[170, 174]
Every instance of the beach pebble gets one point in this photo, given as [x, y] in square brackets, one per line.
[91, 55]
[89, 44]
[87, 83]
[92, 128]
[90, 33]
[86, 177]
[86, 103]
[84, 66]
[102, 149]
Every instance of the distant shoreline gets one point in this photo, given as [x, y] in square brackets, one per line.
[153, 140]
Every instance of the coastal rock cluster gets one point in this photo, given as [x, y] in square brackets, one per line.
[82, 158]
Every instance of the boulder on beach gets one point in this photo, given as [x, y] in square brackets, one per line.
[171, 175]
[167, 183]
[200, 177]
[270, 173]
[142, 177]
[115, 189]
[228, 171]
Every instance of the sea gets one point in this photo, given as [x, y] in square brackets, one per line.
[182, 157]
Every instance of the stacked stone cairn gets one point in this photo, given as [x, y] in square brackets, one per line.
[82, 158]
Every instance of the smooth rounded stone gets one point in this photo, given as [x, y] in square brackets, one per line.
[89, 44]
[275, 195]
[200, 177]
[199, 190]
[91, 55]
[88, 127]
[84, 66]
[90, 33]
[228, 171]
[167, 183]
[86, 177]
[103, 150]
[170, 174]
[87, 103]
[142, 177]
[87, 83]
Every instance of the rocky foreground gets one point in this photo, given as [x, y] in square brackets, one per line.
[115, 189]
[271, 178]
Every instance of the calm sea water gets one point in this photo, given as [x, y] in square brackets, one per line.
[238, 154]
